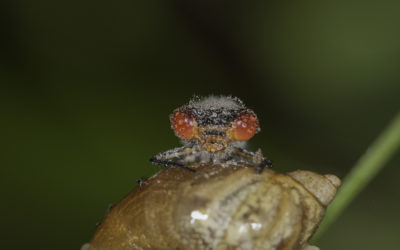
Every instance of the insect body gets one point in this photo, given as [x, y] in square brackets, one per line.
[213, 129]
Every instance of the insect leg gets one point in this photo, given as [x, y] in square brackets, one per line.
[262, 162]
[141, 182]
[166, 158]
[256, 158]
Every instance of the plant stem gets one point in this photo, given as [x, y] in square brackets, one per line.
[367, 167]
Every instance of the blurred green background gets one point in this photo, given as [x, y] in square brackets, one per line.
[87, 87]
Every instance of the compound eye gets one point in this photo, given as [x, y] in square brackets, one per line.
[245, 126]
[182, 122]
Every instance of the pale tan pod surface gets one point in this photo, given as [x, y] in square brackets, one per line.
[218, 208]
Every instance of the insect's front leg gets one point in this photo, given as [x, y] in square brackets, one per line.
[166, 158]
[255, 158]
[141, 182]
[262, 161]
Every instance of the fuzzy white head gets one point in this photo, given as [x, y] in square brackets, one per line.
[213, 129]
[214, 122]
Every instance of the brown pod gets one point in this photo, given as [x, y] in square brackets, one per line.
[218, 207]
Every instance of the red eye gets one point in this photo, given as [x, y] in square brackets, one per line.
[245, 126]
[182, 122]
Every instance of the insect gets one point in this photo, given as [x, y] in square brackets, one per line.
[213, 129]
[219, 208]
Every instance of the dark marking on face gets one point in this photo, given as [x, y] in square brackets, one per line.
[213, 133]
[216, 117]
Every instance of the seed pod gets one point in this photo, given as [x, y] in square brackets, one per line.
[219, 207]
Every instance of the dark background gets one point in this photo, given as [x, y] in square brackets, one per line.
[87, 87]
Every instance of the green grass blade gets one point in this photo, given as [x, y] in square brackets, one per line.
[368, 166]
